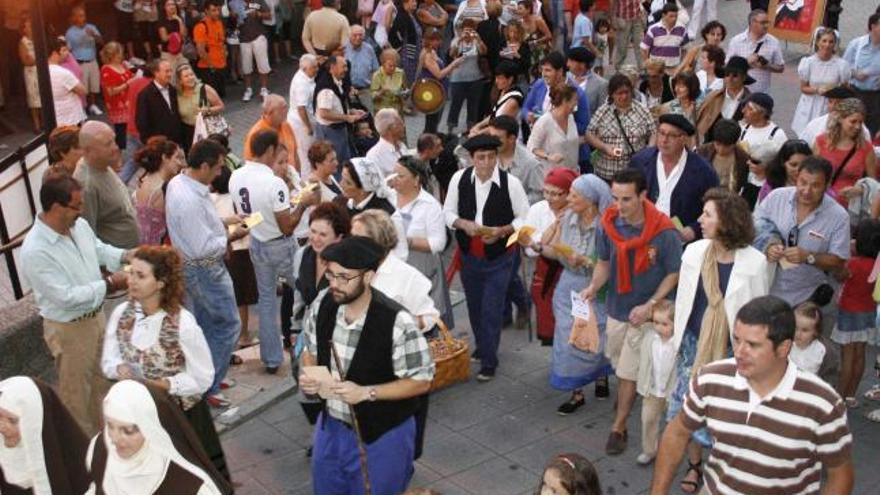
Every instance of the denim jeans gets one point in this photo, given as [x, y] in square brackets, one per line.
[211, 299]
[338, 137]
[271, 259]
[129, 167]
[485, 288]
[469, 91]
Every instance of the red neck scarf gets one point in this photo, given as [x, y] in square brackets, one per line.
[655, 223]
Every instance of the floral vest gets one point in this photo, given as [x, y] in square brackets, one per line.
[165, 358]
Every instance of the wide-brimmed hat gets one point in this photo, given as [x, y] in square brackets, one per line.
[739, 65]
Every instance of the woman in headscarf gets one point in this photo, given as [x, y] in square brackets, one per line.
[541, 216]
[153, 338]
[364, 188]
[135, 453]
[42, 446]
[425, 235]
[572, 241]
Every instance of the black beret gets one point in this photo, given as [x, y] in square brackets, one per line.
[582, 54]
[355, 253]
[763, 100]
[840, 93]
[482, 142]
[678, 120]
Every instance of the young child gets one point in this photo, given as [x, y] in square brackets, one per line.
[655, 367]
[569, 474]
[856, 314]
[600, 41]
[811, 351]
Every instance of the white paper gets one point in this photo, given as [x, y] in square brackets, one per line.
[579, 307]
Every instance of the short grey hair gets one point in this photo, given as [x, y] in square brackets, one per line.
[273, 101]
[308, 60]
[755, 13]
[385, 118]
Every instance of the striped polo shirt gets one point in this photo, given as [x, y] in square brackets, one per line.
[665, 44]
[774, 445]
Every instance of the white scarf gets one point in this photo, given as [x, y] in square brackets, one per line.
[25, 464]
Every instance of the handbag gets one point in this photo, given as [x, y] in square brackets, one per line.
[451, 359]
[215, 123]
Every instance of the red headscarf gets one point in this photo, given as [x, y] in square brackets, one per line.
[561, 177]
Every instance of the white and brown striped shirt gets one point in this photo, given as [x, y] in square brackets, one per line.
[771, 445]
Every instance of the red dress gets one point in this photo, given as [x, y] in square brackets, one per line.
[117, 105]
[546, 276]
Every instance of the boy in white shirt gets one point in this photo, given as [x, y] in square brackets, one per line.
[655, 368]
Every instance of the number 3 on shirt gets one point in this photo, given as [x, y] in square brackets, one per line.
[245, 200]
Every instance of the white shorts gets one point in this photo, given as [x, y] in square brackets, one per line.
[91, 76]
[256, 49]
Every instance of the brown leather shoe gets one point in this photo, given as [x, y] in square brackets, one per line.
[616, 443]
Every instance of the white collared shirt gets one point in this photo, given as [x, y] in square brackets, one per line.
[385, 154]
[302, 89]
[783, 388]
[163, 90]
[666, 183]
[420, 220]
[518, 199]
[728, 108]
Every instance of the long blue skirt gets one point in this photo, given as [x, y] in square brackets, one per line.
[573, 368]
[687, 353]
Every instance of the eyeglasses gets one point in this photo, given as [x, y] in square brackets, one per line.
[793, 235]
[339, 277]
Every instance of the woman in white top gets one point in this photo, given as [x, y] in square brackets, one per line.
[818, 73]
[66, 88]
[425, 236]
[510, 98]
[153, 338]
[135, 453]
[554, 138]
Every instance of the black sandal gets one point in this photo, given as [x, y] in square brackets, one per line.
[236, 360]
[694, 485]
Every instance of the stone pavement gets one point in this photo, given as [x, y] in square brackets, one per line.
[495, 438]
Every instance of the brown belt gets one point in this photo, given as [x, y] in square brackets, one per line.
[86, 316]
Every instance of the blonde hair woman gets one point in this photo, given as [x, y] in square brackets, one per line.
[818, 73]
[844, 145]
[194, 97]
[115, 78]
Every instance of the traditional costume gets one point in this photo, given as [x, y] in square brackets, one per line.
[48, 457]
[383, 345]
[162, 465]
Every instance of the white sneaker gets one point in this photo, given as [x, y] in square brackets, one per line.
[94, 110]
[644, 459]
[264, 92]
[248, 94]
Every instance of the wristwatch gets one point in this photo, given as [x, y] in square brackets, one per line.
[373, 394]
[811, 259]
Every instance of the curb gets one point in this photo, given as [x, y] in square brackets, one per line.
[239, 414]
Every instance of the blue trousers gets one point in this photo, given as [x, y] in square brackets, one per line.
[338, 138]
[485, 288]
[211, 299]
[516, 291]
[271, 259]
[336, 465]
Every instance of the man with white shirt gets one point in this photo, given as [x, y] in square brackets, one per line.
[391, 145]
[761, 50]
[258, 192]
[756, 124]
[677, 178]
[332, 107]
[67, 89]
[485, 205]
[863, 55]
[819, 125]
[727, 102]
[302, 110]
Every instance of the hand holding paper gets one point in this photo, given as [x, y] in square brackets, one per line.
[254, 220]
[520, 234]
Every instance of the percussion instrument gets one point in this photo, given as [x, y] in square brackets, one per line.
[428, 96]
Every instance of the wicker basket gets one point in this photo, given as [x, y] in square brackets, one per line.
[451, 357]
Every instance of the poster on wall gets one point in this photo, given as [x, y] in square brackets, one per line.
[795, 20]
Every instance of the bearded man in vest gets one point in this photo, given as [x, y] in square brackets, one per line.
[386, 365]
[485, 205]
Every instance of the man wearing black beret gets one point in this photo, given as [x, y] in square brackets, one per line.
[386, 365]
[485, 205]
[677, 178]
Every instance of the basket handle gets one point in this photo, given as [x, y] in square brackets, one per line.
[445, 334]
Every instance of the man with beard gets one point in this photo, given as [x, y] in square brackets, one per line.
[386, 365]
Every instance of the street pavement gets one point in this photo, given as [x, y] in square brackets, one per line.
[495, 438]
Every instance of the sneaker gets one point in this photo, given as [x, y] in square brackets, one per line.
[218, 400]
[572, 405]
[94, 110]
[851, 403]
[616, 443]
[644, 459]
[228, 383]
[485, 375]
[474, 358]
[264, 92]
[248, 94]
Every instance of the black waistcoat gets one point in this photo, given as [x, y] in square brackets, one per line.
[497, 211]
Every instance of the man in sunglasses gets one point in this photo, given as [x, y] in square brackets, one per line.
[805, 231]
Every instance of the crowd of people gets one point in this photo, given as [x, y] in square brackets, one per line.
[667, 236]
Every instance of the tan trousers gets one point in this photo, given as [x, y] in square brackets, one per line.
[76, 348]
[653, 409]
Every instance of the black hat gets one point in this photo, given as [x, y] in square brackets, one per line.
[739, 65]
[763, 100]
[582, 54]
[507, 68]
[482, 142]
[678, 120]
[355, 253]
[840, 93]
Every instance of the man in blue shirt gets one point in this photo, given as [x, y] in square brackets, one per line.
[362, 58]
[82, 39]
[863, 55]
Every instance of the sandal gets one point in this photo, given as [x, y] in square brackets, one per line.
[689, 486]
[236, 360]
[873, 393]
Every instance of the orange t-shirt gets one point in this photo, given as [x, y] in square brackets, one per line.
[285, 137]
[213, 35]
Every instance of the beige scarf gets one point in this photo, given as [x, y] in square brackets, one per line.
[714, 330]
